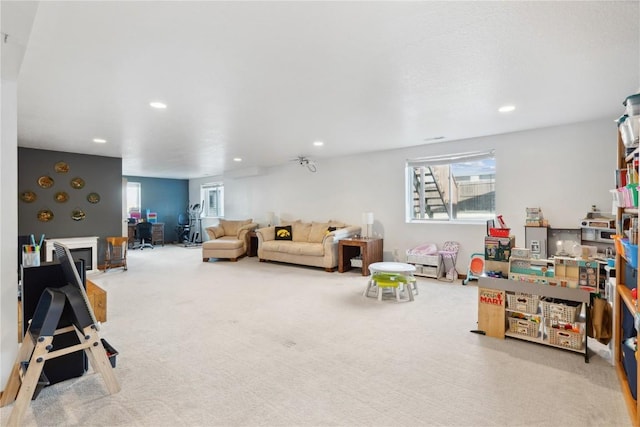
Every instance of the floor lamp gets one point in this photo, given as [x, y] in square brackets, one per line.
[367, 219]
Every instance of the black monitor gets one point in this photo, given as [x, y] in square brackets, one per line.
[72, 277]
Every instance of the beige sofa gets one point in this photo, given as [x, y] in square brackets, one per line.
[313, 244]
[229, 239]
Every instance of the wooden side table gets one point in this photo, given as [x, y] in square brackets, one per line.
[369, 248]
[252, 249]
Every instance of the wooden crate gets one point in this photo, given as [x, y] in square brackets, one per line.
[98, 300]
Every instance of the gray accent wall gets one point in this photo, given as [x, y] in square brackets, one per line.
[101, 175]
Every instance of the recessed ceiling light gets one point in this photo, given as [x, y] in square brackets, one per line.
[318, 143]
[507, 108]
[99, 140]
[237, 159]
[159, 105]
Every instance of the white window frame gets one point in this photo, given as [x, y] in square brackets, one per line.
[205, 190]
[135, 189]
[445, 160]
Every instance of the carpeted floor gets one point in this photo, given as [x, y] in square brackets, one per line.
[265, 344]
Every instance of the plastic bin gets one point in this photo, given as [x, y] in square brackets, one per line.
[111, 352]
[499, 232]
[630, 253]
[630, 368]
[630, 276]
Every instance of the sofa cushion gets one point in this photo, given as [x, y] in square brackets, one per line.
[301, 231]
[293, 248]
[283, 233]
[318, 231]
[231, 227]
[226, 242]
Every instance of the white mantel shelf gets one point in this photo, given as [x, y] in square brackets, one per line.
[76, 243]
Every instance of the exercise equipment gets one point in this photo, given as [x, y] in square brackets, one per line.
[37, 346]
[195, 225]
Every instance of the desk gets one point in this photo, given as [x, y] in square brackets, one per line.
[157, 234]
[392, 268]
[369, 249]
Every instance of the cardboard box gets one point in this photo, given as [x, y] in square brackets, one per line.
[498, 248]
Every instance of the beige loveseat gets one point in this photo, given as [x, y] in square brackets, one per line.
[313, 244]
[229, 239]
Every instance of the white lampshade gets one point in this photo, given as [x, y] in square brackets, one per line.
[367, 218]
[270, 218]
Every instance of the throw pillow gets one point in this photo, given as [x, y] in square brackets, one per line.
[318, 231]
[300, 231]
[284, 233]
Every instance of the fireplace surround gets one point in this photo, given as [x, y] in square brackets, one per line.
[80, 248]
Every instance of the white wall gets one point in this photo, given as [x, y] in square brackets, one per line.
[564, 170]
[8, 229]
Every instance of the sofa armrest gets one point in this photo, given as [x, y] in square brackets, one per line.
[265, 234]
[242, 231]
[214, 232]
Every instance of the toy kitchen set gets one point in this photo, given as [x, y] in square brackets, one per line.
[569, 248]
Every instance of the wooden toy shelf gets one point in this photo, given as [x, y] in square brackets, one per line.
[569, 294]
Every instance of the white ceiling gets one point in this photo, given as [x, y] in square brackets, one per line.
[263, 80]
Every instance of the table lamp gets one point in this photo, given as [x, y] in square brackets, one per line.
[367, 219]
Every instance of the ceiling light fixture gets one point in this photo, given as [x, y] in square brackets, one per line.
[318, 143]
[158, 105]
[99, 141]
[237, 159]
[304, 161]
[507, 108]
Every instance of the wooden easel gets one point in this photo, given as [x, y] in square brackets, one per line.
[37, 344]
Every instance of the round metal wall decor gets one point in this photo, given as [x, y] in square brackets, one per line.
[61, 197]
[93, 198]
[45, 181]
[45, 215]
[28, 196]
[78, 214]
[61, 167]
[77, 183]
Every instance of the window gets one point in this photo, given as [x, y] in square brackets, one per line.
[213, 197]
[134, 199]
[454, 187]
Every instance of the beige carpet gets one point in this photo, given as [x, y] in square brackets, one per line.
[264, 344]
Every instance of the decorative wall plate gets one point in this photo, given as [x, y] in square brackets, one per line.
[93, 198]
[77, 214]
[61, 196]
[61, 167]
[45, 181]
[77, 183]
[28, 196]
[45, 215]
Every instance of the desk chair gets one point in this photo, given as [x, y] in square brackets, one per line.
[144, 235]
[116, 254]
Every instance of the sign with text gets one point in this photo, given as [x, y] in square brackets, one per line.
[491, 314]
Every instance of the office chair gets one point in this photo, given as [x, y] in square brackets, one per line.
[144, 234]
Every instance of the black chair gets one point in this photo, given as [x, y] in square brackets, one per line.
[144, 235]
